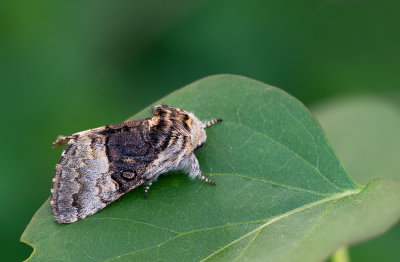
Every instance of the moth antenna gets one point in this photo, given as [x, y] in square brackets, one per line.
[212, 122]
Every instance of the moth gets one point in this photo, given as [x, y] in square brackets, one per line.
[100, 165]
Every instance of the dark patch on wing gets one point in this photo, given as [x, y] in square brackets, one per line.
[130, 149]
[132, 146]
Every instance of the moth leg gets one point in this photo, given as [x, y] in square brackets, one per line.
[148, 185]
[212, 122]
[204, 178]
[191, 164]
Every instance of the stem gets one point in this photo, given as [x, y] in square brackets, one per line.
[341, 255]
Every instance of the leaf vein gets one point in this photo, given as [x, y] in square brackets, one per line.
[318, 221]
[293, 153]
[143, 249]
[247, 246]
[264, 222]
[305, 128]
[135, 222]
[270, 182]
[284, 215]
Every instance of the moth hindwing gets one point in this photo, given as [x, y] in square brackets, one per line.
[100, 165]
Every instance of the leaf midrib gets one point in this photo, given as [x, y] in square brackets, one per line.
[266, 222]
[284, 215]
[269, 182]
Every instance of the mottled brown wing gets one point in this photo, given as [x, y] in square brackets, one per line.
[81, 184]
[97, 168]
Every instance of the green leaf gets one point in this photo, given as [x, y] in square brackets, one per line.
[281, 193]
[367, 141]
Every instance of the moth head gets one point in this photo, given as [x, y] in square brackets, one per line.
[197, 133]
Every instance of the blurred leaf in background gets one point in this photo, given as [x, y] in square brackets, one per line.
[365, 133]
[70, 66]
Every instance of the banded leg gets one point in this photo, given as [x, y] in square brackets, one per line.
[191, 165]
[212, 122]
[204, 178]
[146, 189]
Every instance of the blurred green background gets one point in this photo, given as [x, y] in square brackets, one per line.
[67, 66]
